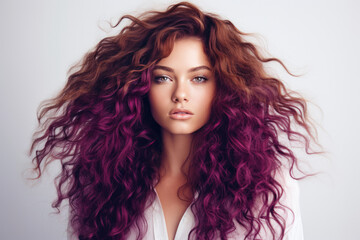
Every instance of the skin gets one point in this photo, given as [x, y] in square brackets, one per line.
[183, 80]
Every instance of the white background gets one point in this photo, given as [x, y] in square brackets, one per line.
[40, 40]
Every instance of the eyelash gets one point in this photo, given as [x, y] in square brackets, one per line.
[161, 79]
[204, 79]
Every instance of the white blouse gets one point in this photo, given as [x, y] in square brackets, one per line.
[156, 226]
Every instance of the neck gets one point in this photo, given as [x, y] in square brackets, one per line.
[176, 150]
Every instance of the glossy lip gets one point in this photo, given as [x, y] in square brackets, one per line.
[176, 110]
[185, 114]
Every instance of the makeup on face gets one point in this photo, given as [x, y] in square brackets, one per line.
[182, 88]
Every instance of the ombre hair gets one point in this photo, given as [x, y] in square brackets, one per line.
[100, 128]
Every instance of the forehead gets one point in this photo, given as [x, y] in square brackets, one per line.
[187, 52]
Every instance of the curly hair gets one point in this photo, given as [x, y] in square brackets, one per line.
[100, 128]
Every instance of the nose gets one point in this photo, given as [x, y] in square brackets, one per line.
[180, 93]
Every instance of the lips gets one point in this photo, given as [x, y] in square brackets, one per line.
[180, 114]
[180, 111]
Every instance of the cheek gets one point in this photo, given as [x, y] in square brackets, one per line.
[156, 100]
[153, 102]
[206, 98]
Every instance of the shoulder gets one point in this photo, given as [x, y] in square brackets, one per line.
[288, 207]
[291, 200]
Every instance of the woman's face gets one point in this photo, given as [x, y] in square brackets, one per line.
[182, 88]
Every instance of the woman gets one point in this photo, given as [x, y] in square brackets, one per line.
[171, 130]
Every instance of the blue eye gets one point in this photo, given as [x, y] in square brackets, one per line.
[160, 79]
[200, 79]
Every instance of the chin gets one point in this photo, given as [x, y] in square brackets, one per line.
[179, 130]
[183, 128]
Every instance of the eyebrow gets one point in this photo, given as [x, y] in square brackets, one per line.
[168, 69]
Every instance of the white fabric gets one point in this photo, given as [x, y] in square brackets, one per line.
[156, 229]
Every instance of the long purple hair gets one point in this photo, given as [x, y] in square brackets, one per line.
[101, 130]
